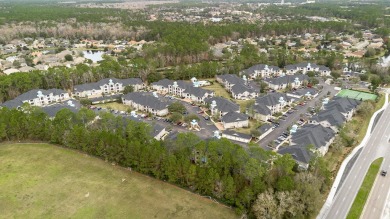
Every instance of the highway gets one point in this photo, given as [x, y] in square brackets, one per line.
[377, 146]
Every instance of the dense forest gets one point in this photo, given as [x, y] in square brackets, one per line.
[216, 168]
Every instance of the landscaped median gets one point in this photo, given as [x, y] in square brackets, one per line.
[364, 191]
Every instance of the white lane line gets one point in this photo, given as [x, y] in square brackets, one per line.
[355, 176]
[350, 187]
[374, 209]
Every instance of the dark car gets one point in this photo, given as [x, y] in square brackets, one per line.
[383, 173]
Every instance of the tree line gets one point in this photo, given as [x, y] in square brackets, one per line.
[216, 168]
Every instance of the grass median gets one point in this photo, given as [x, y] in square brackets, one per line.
[364, 191]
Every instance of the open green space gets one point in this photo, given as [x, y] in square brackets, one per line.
[356, 95]
[46, 181]
[115, 106]
[361, 197]
[218, 89]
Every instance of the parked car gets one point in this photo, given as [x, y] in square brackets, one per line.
[383, 173]
[206, 117]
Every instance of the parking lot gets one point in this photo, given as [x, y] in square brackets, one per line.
[300, 112]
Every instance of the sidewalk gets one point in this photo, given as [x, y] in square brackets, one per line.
[337, 180]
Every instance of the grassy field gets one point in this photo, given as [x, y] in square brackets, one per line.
[219, 90]
[364, 191]
[45, 181]
[115, 106]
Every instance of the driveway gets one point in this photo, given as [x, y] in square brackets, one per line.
[296, 115]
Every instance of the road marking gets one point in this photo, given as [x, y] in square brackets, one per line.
[382, 184]
[344, 198]
[355, 176]
[379, 196]
[349, 187]
[364, 159]
[337, 212]
[374, 209]
[360, 167]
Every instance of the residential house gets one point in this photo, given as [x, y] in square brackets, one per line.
[267, 105]
[263, 71]
[238, 87]
[303, 93]
[183, 89]
[233, 120]
[221, 106]
[301, 155]
[107, 86]
[147, 102]
[292, 81]
[317, 136]
[305, 67]
[38, 97]
[335, 113]
[71, 104]
[264, 130]
[236, 136]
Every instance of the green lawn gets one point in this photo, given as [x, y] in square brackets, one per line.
[361, 197]
[45, 181]
[115, 106]
[219, 90]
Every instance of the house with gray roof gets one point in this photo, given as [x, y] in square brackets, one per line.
[305, 67]
[301, 155]
[236, 136]
[52, 110]
[183, 89]
[239, 88]
[38, 97]
[147, 102]
[107, 86]
[308, 93]
[233, 120]
[294, 81]
[269, 104]
[264, 130]
[220, 106]
[262, 71]
[330, 118]
[316, 135]
[335, 113]
[344, 105]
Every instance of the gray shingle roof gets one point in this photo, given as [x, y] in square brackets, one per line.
[264, 128]
[188, 87]
[287, 79]
[342, 104]
[223, 104]
[238, 83]
[234, 117]
[299, 153]
[316, 135]
[271, 99]
[302, 92]
[147, 99]
[333, 116]
[29, 95]
[96, 85]
[260, 67]
[52, 110]
[237, 134]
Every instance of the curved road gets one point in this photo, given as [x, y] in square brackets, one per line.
[377, 146]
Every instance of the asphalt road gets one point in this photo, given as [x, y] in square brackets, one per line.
[377, 146]
[295, 116]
